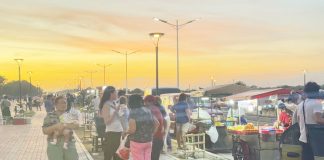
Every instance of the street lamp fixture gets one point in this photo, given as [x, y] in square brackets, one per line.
[126, 56]
[19, 62]
[176, 26]
[156, 38]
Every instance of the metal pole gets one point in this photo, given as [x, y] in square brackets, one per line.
[212, 81]
[80, 84]
[30, 85]
[38, 92]
[91, 79]
[20, 104]
[304, 78]
[157, 69]
[108, 75]
[104, 75]
[177, 27]
[126, 75]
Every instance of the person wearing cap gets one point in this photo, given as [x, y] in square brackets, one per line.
[158, 140]
[284, 117]
[293, 100]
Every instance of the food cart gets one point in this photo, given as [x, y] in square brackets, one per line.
[259, 143]
[257, 140]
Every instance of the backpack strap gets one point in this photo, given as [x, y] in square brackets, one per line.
[304, 112]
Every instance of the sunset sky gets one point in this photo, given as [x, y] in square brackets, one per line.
[264, 43]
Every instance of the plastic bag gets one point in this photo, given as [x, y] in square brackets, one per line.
[213, 134]
[122, 151]
[191, 127]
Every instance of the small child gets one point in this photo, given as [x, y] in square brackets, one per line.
[66, 118]
[123, 112]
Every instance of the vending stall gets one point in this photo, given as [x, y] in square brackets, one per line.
[257, 139]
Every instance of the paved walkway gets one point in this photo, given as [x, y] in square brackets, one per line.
[27, 142]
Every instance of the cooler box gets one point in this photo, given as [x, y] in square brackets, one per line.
[291, 152]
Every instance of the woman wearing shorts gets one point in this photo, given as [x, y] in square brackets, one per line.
[182, 111]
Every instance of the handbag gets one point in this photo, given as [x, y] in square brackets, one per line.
[315, 136]
[123, 151]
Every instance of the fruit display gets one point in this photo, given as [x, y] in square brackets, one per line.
[249, 126]
[236, 128]
[243, 129]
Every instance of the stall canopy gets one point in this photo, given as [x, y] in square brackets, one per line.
[225, 90]
[257, 94]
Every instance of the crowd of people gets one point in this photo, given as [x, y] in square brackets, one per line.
[305, 112]
[142, 122]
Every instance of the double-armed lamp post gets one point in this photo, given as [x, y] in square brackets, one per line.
[104, 66]
[126, 54]
[176, 26]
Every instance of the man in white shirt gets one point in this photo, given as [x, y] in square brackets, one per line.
[313, 115]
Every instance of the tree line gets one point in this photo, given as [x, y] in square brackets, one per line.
[11, 88]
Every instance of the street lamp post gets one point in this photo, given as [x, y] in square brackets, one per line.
[126, 58]
[156, 38]
[212, 81]
[80, 83]
[104, 68]
[305, 77]
[176, 26]
[91, 73]
[30, 82]
[19, 61]
[38, 92]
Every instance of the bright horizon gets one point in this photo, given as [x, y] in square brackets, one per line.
[263, 43]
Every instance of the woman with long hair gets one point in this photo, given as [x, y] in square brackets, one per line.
[109, 112]
[142, 126]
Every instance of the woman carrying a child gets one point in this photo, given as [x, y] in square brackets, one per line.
[53, 127]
